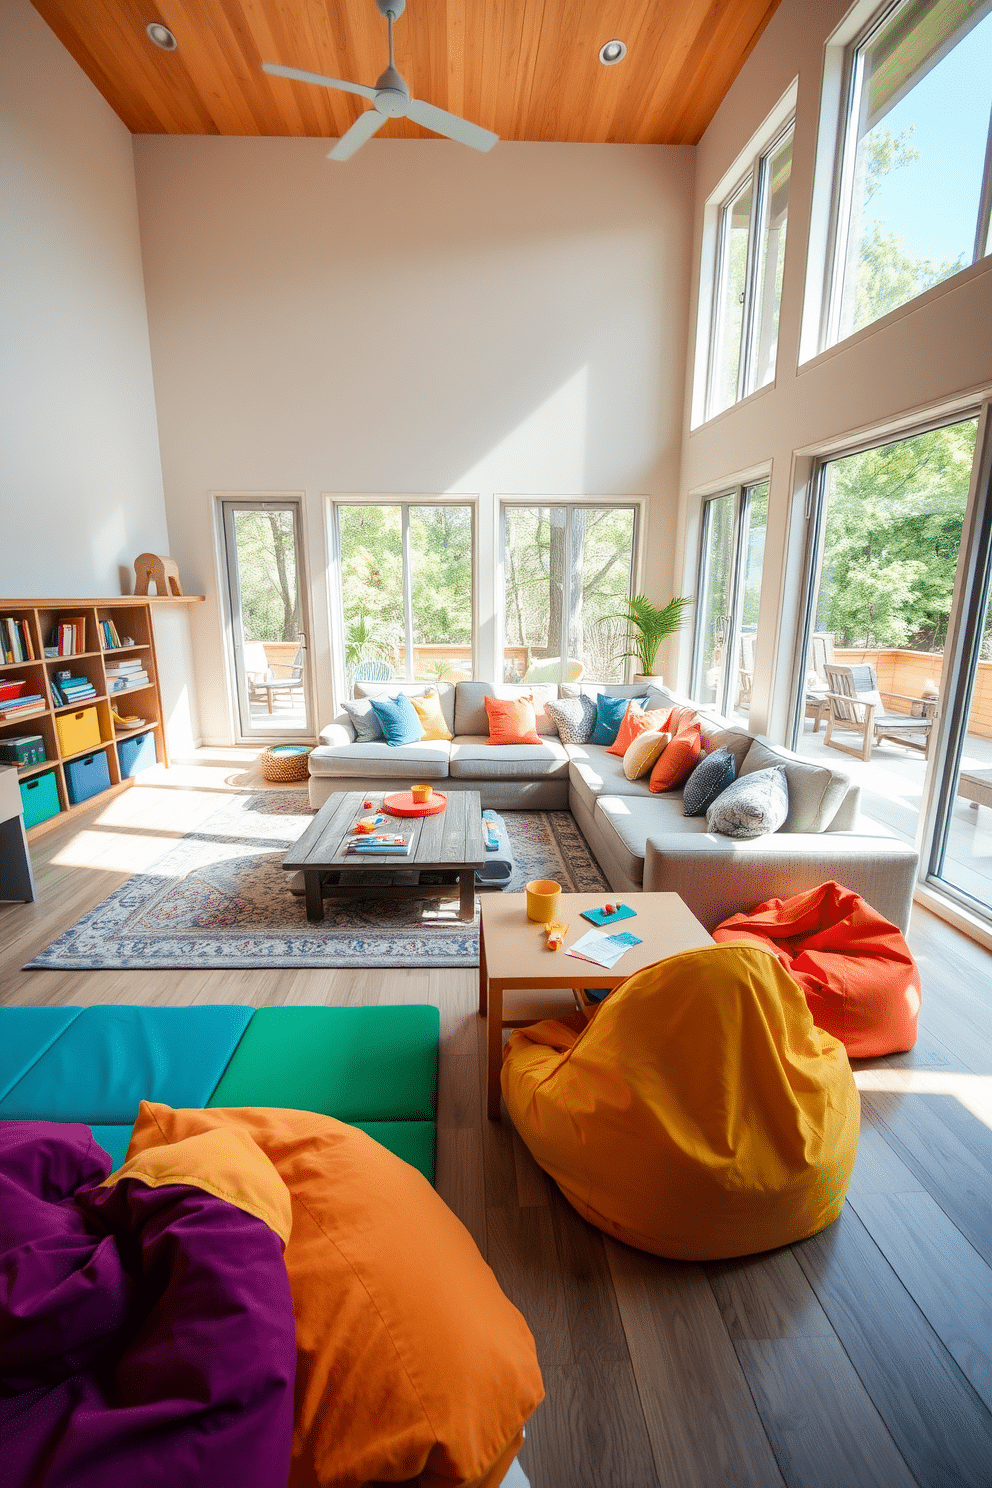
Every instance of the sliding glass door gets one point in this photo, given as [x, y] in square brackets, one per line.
[732, 553]
[267, 603]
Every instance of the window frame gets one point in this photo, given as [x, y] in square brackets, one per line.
[743, 494]
[335, 595]
[505, 503]
[757, 174]
[843, 174]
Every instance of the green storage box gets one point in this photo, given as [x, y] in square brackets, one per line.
[40, 797]
[26, 749]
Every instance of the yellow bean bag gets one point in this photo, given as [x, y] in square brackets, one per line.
[699, 1114]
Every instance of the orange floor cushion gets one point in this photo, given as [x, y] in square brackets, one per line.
[412, 1365]
[699, 1113]
[860, 980]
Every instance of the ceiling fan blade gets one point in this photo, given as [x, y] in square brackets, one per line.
[456, 128]
[299, 76]
[363, 128]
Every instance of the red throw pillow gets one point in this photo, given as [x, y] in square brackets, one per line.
[634, 722]
[512, 721]
[678, 761]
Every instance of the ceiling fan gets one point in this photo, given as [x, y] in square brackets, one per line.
[390, 100]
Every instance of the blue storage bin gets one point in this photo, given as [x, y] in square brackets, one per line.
[136, 753]
[40, 798]
[87, 776]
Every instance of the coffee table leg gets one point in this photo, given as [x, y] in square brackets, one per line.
[466, 894]
[494, 1036]
[315, 900]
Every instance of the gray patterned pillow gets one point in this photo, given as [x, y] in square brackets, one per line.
[710, 777]
[752, 806]
[364, 721]
[574, 718]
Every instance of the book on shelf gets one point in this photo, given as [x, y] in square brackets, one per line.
[126, 669]
[109, 639]
[133, 679]
[26, 710]
[15, 640]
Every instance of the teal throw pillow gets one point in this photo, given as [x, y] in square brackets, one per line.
[398, 719]
[609, 716]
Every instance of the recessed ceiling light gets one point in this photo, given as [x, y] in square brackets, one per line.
[612, 52]
[161, 36]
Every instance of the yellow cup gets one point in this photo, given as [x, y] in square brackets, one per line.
[421, 794]
[543, 895]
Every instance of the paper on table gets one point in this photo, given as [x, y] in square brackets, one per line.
[602, 950]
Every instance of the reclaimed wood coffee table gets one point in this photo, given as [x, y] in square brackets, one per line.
[513, 954]
[450, 843]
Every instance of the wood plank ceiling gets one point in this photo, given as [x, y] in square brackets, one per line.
[528, 69]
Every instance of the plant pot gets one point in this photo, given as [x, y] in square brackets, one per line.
[654, 679]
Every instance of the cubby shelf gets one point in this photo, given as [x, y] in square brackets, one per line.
[131, 616]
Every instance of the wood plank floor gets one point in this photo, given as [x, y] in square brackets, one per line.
[860, 1357]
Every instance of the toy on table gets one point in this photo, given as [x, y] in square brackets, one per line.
[556, 933]
[609, 914]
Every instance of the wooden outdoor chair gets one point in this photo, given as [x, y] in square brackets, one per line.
[857, 706]
[745, 669]
[821, 655]
[268, 683]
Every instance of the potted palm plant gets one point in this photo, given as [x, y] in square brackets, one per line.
[648, 626]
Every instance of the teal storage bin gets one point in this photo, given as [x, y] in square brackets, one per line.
[40, 798]
[136, 754]
[87, 776]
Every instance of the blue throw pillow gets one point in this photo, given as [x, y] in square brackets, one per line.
[609, 716]
[398, 719]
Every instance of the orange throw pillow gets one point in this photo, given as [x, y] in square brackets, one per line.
[635, 721]
[428, 710]
[678, 761]
[512, 721]
[411, 1364]
[679, 719]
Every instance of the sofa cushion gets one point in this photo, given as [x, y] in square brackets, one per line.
[574, 718]
[444, 690]
[677, 761]
[398, 720]
[637, 720]
[815, 791]
[432, 720]
[642, 754]
[630, 820]
[474, 758]
[593, 771]
[364, 720]
[753, 806]
[711, 776]
[470, 704]
[609, 716]
[382, 761]
[734, 740]
[511, 721]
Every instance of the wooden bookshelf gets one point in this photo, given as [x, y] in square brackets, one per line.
[131, 617]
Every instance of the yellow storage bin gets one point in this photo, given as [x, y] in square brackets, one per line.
[78, 731]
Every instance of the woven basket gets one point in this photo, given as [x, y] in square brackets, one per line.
[283, 767]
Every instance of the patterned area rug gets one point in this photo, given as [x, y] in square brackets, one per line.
[220, 898]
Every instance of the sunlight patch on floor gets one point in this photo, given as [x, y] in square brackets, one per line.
[973, 1091]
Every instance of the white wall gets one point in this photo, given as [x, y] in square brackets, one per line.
[81, 486]
[932, 351]
[82, 482]
[421, 319]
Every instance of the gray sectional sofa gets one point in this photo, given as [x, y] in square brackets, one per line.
[641, 840]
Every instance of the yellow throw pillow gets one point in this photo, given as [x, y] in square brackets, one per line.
[428, 710]
[643, 751]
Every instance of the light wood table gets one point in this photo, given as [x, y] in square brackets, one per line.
[513, 955]
[451, 842]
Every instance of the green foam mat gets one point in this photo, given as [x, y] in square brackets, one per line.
[413, 1141]
[360, 1064]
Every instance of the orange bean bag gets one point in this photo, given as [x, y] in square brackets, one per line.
[412, 1366]
[699, 1114]
[860, 980]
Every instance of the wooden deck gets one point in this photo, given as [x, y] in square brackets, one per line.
[861, 1358]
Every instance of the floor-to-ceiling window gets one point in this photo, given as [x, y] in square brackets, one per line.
[732, 552]
[567, 569]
